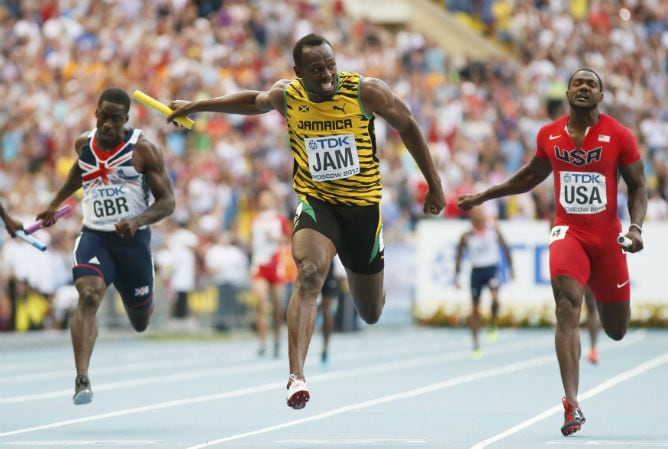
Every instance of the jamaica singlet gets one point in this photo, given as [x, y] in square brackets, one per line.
[333, 144]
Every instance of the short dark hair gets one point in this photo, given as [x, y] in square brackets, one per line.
[115, 95]
[310, 40]
[587, 69]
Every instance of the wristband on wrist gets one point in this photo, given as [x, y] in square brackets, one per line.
[637, 226]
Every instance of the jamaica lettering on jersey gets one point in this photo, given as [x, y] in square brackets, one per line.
[333, 144]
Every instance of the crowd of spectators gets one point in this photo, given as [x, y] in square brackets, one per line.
[480, 117]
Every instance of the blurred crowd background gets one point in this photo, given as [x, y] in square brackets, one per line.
[480, 116]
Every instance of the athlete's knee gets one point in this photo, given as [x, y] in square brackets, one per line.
[139, 319]
[567, 312]
[616, 332]
[370, 316]
[140, 326]
[89, 297]
[309, 277]
[370, 311]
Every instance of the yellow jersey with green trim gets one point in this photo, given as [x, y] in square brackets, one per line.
[333, 144]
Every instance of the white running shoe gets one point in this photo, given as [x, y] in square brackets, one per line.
[298, 394]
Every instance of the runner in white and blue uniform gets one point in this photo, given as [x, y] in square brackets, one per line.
[125, 189]
[483, 244]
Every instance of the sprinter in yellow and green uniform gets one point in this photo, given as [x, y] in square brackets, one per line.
[330, 116]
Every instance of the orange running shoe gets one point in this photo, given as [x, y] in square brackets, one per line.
[593, 356]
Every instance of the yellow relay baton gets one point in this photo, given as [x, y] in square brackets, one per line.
[161, 107]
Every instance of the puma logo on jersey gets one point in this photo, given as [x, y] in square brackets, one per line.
[341, 108]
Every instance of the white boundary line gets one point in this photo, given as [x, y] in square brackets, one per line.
[83, 443]
[626, 375]
[519, 366]
[425, 360]
[262, 366]
[416, 362]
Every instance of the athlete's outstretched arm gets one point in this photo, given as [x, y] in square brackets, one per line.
[378, 98]
[247, 102]
[525, 179]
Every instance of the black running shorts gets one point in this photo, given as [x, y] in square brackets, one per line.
[356, 231]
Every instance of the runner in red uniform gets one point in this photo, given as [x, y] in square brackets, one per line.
[587, 151]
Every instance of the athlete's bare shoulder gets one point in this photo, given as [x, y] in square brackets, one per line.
[273, 97]
[281, 84]
[375, 89]
[81, 140]
[147, 154]
[377, 97]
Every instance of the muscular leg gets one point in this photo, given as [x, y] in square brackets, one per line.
[327, 321]
[139, 318]
[261, 288]
[592, 319]
[495, 306]
[475, 322]
[368, 292]
[615, 317]
[313, 253]
[568, 297]
[83, 329]
[277, 295]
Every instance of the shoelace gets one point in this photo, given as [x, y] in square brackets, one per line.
[294, 378]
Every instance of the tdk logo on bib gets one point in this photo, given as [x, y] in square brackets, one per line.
[332, 157]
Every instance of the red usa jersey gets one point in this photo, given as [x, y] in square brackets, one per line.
[585, 179]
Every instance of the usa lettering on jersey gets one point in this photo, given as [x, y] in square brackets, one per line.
[577, 156]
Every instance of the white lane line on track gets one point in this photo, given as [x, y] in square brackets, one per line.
[82, 443]
[622, 377]
[492, 372]
[259, 367]
[385, 367]
[351, 442]
[136, 363]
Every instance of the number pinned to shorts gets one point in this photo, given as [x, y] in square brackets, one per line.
[558, 233]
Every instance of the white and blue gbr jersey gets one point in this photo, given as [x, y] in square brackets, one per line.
[112, 188]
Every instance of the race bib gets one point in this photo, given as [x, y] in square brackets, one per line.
[582, 192]
[558, 233]
[333, 157]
